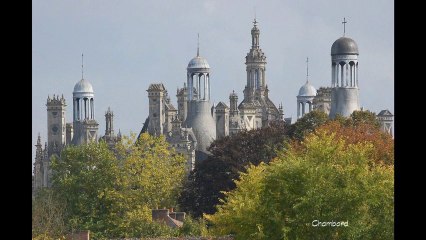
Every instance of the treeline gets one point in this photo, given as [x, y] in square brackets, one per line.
[268, 183]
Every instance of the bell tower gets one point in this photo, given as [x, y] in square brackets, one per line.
[56, 124]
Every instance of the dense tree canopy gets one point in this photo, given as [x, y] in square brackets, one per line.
[267, 183]
[112, 193]
[230, 156]
[325, 180]
[383, 151]
[307, 124]
[48, 216]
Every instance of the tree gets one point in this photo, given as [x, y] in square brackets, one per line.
[48, 216]
[363, 117]
[328, 181]
[360, 132]
[111, 193]
[238, 214]
[307, 124]
[230, 156]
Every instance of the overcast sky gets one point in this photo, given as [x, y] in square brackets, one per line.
[129, 44]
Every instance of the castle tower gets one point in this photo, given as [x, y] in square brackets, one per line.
[385, 118]
[156, 122]
[256, 109]
[69, 132]
[56, 123]
[84, 123]
[38, 166]
[255, 67]
[306, 96]
[45, 167]
[222, 120]
[199, 116]
[169, 114]
[109, 123]
[182, 100]
[322, 101]
[344, 83]
[281, 110]
[110, 138]
[233, 103]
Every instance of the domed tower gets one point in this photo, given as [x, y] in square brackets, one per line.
[344, 83]
[306, 96]
[199, 116]
[84, 123]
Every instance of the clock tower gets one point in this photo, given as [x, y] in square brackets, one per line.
[56, 125]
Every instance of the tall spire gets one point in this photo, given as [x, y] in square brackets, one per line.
[38, 140]
[82, 66]
[344, 26]
[307, 69]
[198, 45]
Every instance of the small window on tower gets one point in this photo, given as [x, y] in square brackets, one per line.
[154, 114]
[54, 129]
[54, 114]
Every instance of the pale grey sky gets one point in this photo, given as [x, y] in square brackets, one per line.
[129, 44]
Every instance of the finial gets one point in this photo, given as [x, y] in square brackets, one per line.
[39, 139]
[198, 45]
[307, 70]
[344, 26]
[82, 66]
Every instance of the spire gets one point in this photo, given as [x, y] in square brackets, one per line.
[307, 70]
[344, 26]
[198, 45]
[82, 66]
[255, 35]
[38, 140]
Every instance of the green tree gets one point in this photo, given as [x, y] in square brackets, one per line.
[231, 155]
[111, 193]
[328, 180]
[239, 213]
[307, 124]
[363, 117]
[48, 216]
[193, 227]
[87, 177]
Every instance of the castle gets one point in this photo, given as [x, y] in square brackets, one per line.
[196, 122]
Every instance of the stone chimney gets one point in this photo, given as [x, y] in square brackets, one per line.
[180, 216]
[160, 214]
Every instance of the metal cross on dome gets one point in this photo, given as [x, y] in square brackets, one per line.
[344, 26]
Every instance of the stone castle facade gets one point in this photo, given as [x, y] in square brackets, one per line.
[83, 129]
[196, 122]
[342, 98]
